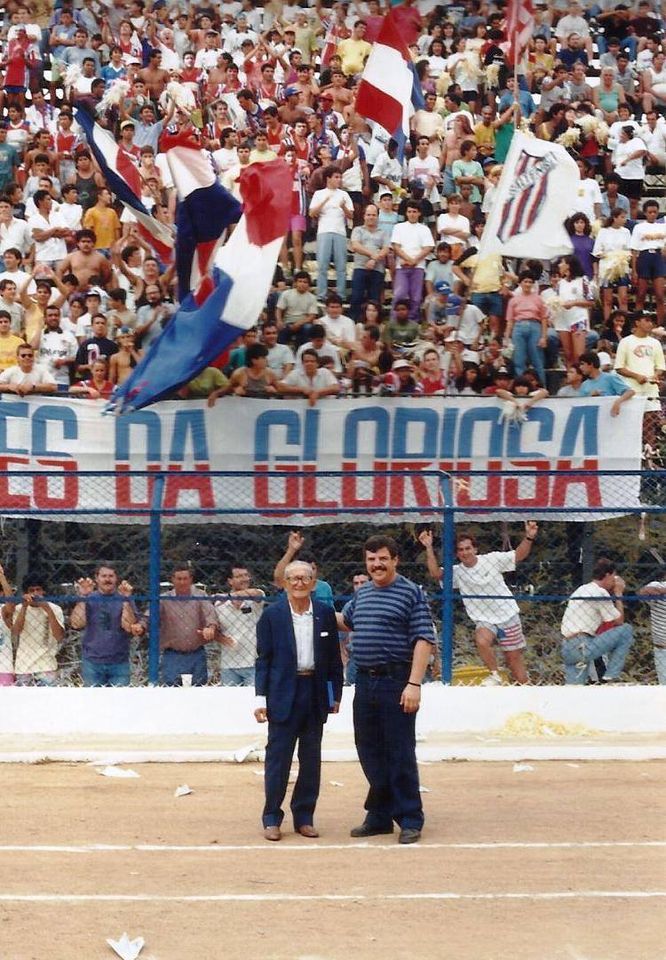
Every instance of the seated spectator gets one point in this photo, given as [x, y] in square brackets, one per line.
[312, 382]
[210, 380]
[255, 379]
[400, 381]
[296, 310]
[573, 382]
[97, 386]
[9, 342]
[593, 626]
[26, 377]
[125, 360]
[338, 327]
[400, 331]
[280, 356]
[325, 350]
[96, 346]
[600, 383]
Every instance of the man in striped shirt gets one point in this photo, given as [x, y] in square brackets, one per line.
[393, 642]
[655, 592]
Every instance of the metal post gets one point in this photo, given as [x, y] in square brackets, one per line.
[154, 565]
[448, 557]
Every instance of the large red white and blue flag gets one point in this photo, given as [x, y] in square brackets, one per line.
[519, 27]
[226, 303]
[390, 88]
[122, 176]
[205, 209]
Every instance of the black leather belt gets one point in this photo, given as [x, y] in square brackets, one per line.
[398, 670]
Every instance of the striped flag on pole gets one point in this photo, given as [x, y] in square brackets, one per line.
[519, 27]
[389, 86]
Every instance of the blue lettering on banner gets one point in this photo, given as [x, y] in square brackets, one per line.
[264, 426]
[9, 409]
[149, 426]
[379, 416]
[546, 420]
[41, 419]
[404, 418]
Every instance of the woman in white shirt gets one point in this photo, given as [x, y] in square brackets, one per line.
[436, 59]
[629, 165]
[613, 236]
[575, 305]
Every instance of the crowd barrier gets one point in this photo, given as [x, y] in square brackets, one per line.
[582, 514]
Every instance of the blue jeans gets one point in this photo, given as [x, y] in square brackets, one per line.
[105, 674]
[175, 663]
[331, 246]
[525, 339]
[237, 676]
[385, 739]
[365, 285]
[579, 651]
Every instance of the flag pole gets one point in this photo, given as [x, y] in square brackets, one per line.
[514, 45]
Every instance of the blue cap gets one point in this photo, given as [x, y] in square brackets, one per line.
[442, 287]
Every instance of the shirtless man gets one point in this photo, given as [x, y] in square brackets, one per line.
[86, 262]
[154, 77]
[122, 363]
[342, 97]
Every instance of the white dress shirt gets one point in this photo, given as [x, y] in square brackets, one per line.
[303, 632]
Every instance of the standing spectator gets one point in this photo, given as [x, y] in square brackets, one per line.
[393, 644]
[298, 683]
[487, 599]
[237, 618]
[612, 237]
[108, 620]
[640, 360]
[629, 165]
[575, 305]
[370, 249]
[186, 626]
[590, 607]
[527, 326]
[48, 231]
[412, 242]
[38, 627]
[648, 264]
[96, 346]
[655, 593]
[331, 207]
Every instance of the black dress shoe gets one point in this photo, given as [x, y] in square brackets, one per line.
[409, 835]
[366, 830]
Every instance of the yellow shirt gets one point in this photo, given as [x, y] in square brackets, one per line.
[262, 156]
[487, 277]
[354, 53]
[8, 347]
[484, 136]
[106, 225]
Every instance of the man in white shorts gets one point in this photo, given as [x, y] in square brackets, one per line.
[487, 599]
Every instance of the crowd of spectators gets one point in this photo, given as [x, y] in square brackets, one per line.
[380, 288]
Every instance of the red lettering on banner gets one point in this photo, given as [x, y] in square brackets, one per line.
[573, 476]
[124, 496]
[262, 483]
[7, 499]
[176, 484]
[70, 495]
[310, 500]
[419, 484]
[493, 497]
[512, 497]
[350, 496]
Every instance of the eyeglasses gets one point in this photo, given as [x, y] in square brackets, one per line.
[25, 356]
[305, 579]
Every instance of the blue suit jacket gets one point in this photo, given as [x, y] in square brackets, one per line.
[275, 674]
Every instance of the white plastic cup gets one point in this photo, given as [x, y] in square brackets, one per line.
[186, 679]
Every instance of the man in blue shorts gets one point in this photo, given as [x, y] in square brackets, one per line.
[393, 643]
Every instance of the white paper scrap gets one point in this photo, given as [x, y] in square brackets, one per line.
[125, 948]
[183, 790]
[119, 773]
[522, 767]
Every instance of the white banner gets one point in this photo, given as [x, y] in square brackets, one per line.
[419, 439]
[535, 195]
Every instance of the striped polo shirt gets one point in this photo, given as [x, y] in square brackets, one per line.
[658, 614]
[387, 622]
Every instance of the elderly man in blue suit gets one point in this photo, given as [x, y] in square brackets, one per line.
[298, 682]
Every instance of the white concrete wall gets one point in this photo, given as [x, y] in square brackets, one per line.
[71, 712]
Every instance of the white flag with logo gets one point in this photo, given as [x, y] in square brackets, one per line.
[532, 202]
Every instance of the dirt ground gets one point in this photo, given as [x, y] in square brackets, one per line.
[566, 861]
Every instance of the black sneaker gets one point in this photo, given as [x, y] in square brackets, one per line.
[367, 830]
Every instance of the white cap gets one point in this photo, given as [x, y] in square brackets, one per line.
[605, 359]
